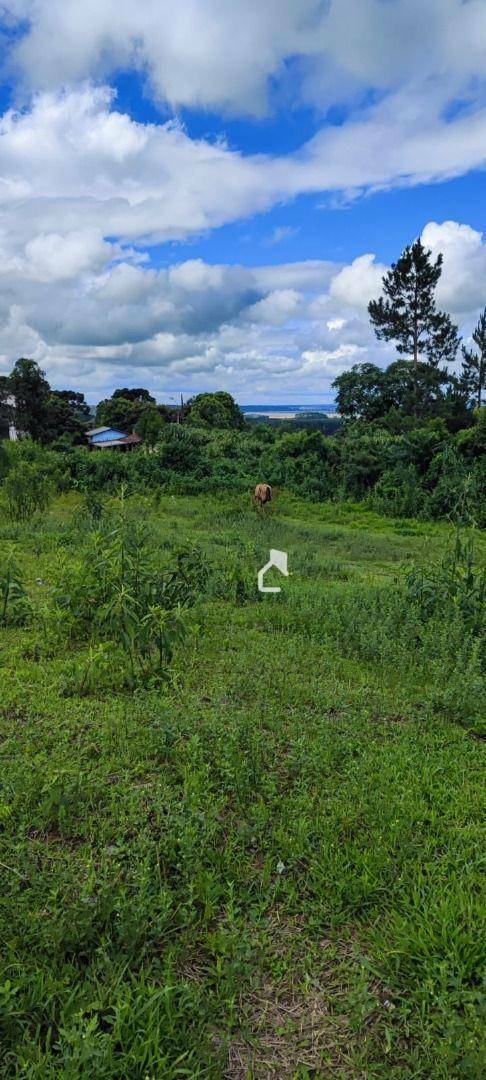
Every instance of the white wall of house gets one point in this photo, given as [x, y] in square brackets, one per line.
[12, 430]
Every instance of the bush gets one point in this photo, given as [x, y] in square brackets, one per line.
[456, 586]
[14, 603]
[116, 593]
[26, 489]
[398, 492]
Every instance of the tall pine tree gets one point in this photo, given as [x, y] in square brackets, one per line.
[407, 313]
[473, 375]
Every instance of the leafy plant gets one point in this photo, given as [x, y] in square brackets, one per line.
[14, 602]
[458, 584]
[116, 593]
[26, 489]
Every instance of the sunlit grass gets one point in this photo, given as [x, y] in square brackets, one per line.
[273, 866]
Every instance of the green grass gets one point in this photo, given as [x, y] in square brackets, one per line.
[272, 867]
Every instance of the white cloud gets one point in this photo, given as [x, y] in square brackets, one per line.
[281, 233]
[356, 284]
[222, 54]
[72, 158]
[84, 188]
[194, 326]
[52, 257]
[276, 308]
[329, 363]
[462, 287]
[212, 53]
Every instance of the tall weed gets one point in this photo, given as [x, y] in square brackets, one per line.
[116, 593]
[15, 607]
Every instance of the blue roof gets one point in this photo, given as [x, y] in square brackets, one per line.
[107, 435]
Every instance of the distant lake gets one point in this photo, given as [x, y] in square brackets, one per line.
[289, 411]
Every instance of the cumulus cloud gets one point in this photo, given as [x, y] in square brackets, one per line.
[462, 287]
[73, 157]
[224, 54]
[194, 325]
[86, 190]
[356, 284]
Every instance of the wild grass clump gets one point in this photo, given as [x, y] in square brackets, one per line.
[115, 593]
[456, 585]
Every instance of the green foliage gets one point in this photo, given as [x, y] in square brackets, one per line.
[218, 410]
[473, 375]
[285, 837]
[398, 492]
[150, 426]
[457, 584]
[380, 461]
[121, 413]
[26, 489]
[30, 389]
[407, 314]
[401, 390]
[15, 608]
[116, 593]
[43, 414]
[181, 860]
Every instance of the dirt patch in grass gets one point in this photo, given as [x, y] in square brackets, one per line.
[298, 1025]
[287, 1031]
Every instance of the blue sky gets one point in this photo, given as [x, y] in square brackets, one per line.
[205, 194]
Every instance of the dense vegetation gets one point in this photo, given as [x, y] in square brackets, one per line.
[425, 471]
[255, 852]
[241, 834]
[412, 439]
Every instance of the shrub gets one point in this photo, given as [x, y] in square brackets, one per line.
[26, 489]
[457, 585]
[116, 593]
[14, 603]
[398, 492]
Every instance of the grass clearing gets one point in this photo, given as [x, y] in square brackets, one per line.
[272, 865]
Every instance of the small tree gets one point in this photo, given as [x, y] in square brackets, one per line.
[473, 375]
[119, 412]
[67, 414]
[137, 393]
[26, 489]
[407, 313]
[150, 426]
[218, 410]
[30, 391]
[359, 392]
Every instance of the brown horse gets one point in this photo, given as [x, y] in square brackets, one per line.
[262, 495]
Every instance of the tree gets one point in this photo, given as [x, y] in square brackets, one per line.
[407, 313]
[136, 394]
[67, 413]
[217, 410]
[366, 392]
[360, 392]
[150, 426]
[473, 375]
[119, 412]
[30, 391]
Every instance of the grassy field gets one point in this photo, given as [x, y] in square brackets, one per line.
[271, 866]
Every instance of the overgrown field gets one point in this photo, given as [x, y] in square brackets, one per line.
[241, 835]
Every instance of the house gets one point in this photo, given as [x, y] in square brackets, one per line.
[105, 438]
[7, 426]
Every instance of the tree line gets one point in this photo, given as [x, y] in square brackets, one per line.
[61, 418]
